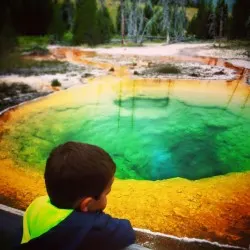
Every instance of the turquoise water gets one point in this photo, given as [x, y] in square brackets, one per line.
[150, 138]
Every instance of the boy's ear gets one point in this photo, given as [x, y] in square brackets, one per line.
[85, 204]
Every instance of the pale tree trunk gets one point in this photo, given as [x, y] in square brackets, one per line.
[220, 35]
[221, 27]
[166, 19]
[122, 22]
[138, 19]
[135, 21]
[167, 38]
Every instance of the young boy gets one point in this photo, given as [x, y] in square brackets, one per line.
[78, 178]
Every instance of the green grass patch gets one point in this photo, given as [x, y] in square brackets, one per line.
[34, 45]
[31, 41]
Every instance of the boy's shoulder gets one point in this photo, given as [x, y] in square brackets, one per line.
[105, 231]
[108, 230]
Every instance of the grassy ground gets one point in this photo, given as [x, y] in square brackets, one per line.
[33, 45]
[14, 63]
[235, 44]
[30, 41]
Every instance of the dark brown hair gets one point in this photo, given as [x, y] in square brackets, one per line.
[75, 170]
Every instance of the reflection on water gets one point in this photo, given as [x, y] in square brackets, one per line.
[154, 130]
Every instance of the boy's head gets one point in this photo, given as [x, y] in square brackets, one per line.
[79, 175]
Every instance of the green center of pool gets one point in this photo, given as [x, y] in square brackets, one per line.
[149, 138]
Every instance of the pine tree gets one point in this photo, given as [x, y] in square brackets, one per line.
[155, 2]
[7, 37]
[148, 11]
[248, 27]
[118, 20]
[7, 33]
[35, 16]
[105, 27]
[211, 22]
[57, 27]
[192, 27]
[85, 25]
[221, 13]
[200, 24]
[68, 14]
[203, 17]
[212, 25]
[239, 28]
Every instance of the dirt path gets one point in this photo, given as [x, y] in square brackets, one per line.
[238, 57]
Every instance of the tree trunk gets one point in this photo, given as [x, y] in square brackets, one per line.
[122, 22]
[167, 38]
[221, 30]
[166, 20]
[221, 26]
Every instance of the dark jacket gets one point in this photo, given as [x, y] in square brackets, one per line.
[85, 231]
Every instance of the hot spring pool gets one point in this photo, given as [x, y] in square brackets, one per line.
[154, 130]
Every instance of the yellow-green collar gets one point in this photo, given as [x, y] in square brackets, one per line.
[40, 217]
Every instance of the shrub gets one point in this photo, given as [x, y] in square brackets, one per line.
[55, 83]
[167, 69]
[68, 38]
